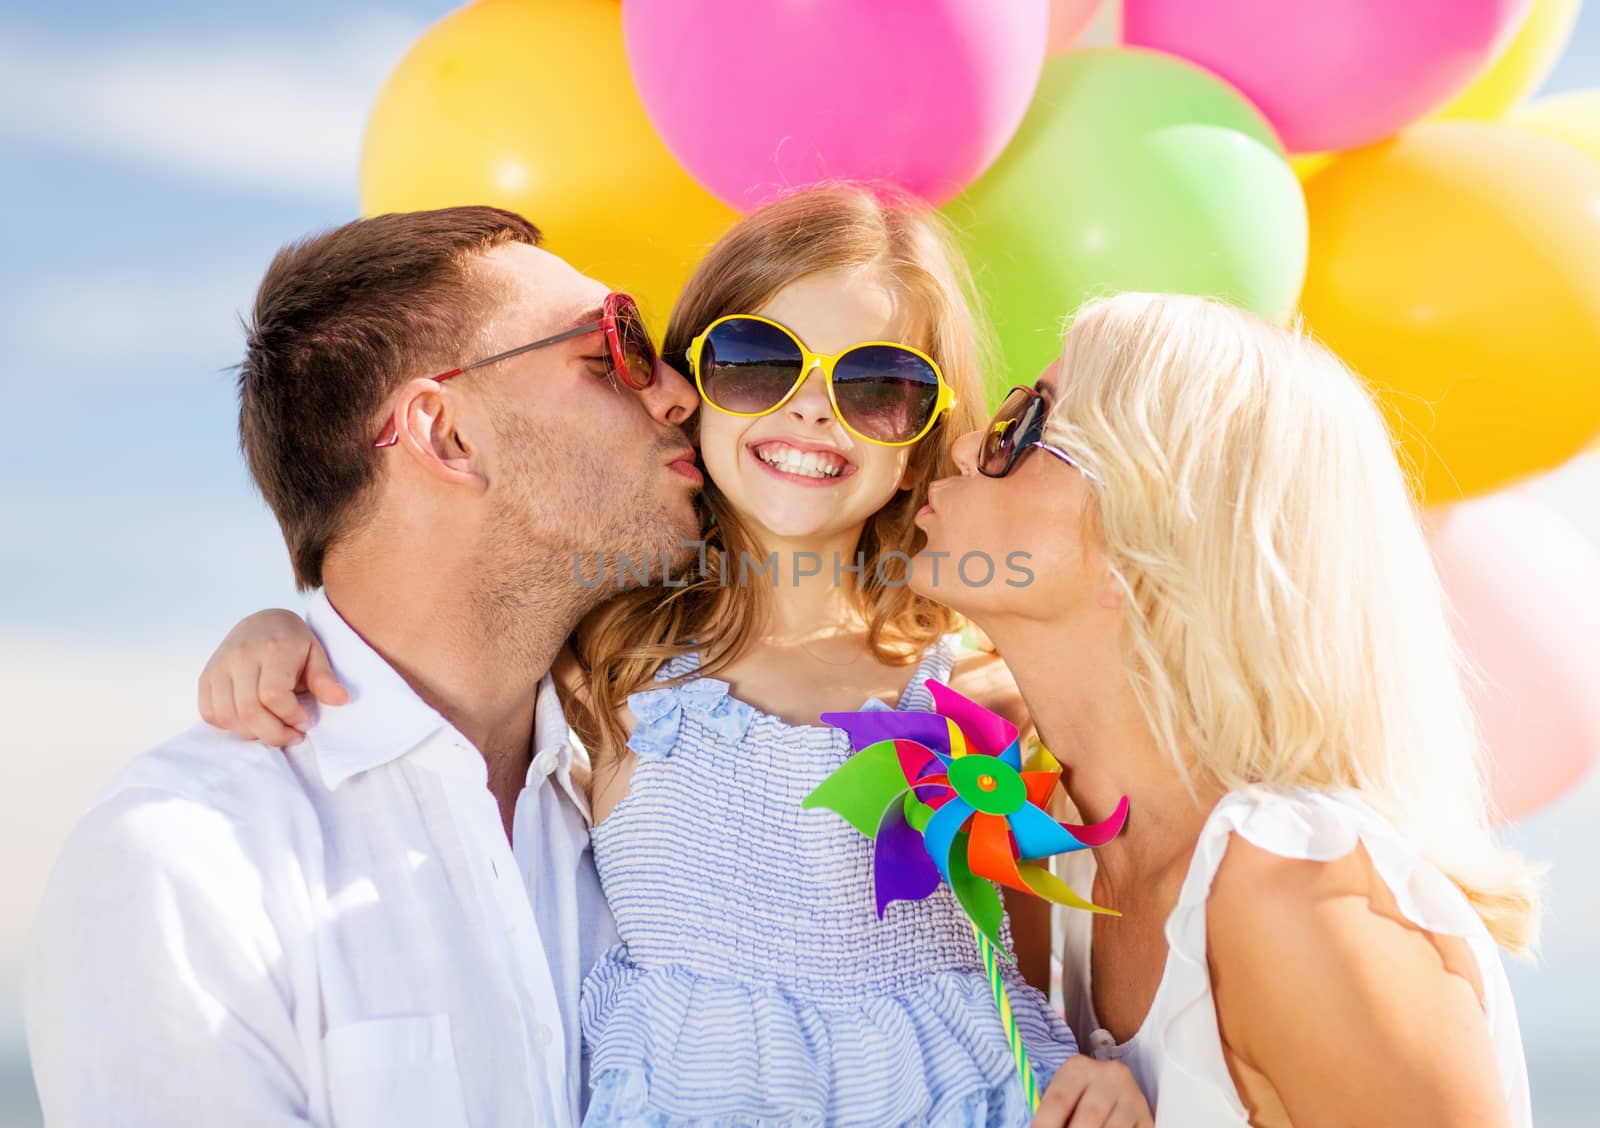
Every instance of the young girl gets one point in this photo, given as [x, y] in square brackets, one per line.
[755, 983]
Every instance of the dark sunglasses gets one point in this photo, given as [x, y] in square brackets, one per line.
[883, 392]
[1017, 428]
[631, 359]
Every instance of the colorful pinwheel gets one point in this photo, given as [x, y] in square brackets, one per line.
[947, 795]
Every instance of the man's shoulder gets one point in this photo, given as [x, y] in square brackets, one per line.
[201, 832]
[213, 768]
[171, 922]
[200, 789]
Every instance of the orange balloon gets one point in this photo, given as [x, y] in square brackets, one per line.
[529, 105]
[1457, 268]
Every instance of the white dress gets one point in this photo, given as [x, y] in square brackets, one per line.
[1176, 1054]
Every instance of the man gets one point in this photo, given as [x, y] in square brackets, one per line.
[386, 924]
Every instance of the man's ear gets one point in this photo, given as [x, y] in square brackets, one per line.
[429, 423]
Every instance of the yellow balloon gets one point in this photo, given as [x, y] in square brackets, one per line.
[1457, 268]
[1570, 118]
[1307, 165]
[1519, 70]
[1573, 119]
[529, 105]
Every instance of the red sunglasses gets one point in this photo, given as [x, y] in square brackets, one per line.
[633, 354]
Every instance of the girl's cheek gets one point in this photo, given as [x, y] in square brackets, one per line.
[718, 444]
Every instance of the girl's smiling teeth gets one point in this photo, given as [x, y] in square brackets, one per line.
[802, 463]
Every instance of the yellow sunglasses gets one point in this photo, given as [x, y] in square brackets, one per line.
[882, 392]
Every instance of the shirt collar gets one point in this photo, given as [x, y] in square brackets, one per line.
[556, 750]
[384, 717]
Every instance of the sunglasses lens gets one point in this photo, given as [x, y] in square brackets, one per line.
[638, 352]
[748, 366]
[1006, 430]
[886, 392]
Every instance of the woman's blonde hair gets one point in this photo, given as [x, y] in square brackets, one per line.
[1285, 622]
[622, 644]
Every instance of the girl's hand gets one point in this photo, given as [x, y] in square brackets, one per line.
[249, 685]
[1086, 1093]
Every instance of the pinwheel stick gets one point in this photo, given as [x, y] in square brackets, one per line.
[1019, 1053]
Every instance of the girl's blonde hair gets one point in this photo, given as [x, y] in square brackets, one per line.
[1285, 624]
[622, 644]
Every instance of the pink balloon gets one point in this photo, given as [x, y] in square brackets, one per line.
[1068, 18]
[758, 97]
[1332, 74]
[1525, 585]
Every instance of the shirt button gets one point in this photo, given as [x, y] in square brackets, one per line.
[541, 1035]
[545, 762]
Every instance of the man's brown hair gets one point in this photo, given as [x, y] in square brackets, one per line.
[341, 320]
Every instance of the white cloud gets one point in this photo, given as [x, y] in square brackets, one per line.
[127, 566]
[283, 114]
[120, 316]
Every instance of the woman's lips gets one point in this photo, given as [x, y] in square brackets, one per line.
[930, 510]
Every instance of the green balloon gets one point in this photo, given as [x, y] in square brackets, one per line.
[1133, 170]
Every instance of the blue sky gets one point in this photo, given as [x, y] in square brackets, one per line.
[153, 161]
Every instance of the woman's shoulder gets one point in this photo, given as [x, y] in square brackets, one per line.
[1316, 906]
[1320, 906]
[1282, 853]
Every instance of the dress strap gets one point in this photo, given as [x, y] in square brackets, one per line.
[1321, 826]
[937, 662]
[660, 712]
[679, 666]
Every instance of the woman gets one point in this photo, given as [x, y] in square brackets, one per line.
[1234, 621]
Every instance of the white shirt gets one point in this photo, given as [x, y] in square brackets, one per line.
[338, 935]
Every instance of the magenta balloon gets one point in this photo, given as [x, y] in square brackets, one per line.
[1524, 585]
[757, 96]
[1332, 74]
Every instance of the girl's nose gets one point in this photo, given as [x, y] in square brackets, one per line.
[810, 405]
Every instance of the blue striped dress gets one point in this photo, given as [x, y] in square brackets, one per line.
[754, 983]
